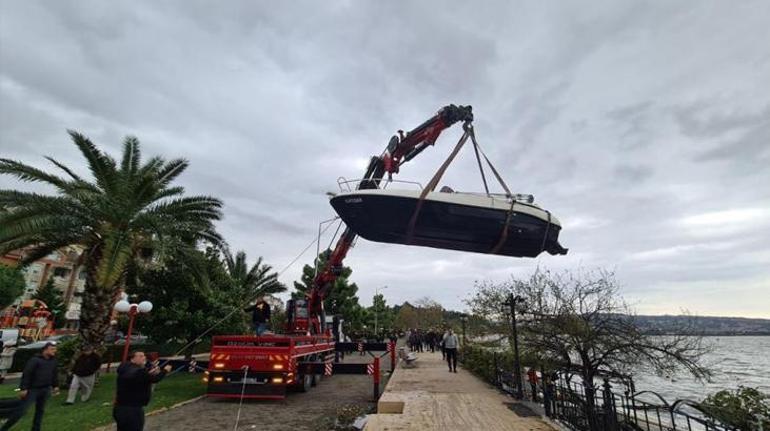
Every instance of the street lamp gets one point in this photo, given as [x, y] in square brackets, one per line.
[511, 302]
[376, 293]
[123, 306]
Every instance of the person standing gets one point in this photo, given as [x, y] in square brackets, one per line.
[533, 380]
[84, 374]
[134, 388]
[38, 382]
[260, 315]
[450, 347]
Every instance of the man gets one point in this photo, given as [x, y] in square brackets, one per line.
[533, 380]
[260, 315]
[450, 347]
[38, 381]
[83, 374]
[134, 390]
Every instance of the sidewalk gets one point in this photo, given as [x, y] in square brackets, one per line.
[429, 397]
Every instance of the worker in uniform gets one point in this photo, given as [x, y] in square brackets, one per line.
[260, 315]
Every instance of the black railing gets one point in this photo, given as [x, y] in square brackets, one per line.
[603, 407]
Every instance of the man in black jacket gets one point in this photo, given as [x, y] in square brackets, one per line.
[260, 315]
[84, 374]
[134, 390]
[37, 382]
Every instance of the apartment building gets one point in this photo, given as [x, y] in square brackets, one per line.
[64, 267]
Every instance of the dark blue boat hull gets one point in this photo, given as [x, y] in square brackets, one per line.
[386, 218]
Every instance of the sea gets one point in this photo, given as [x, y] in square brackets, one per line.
[734, 360]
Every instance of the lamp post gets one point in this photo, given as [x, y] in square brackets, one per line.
[123, 306]
[511, 302]
[376, 293]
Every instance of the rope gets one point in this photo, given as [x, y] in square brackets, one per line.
[240, 403]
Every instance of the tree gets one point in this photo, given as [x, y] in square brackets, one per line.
[745, 408]
[11, 285]
[252, 282]
[342, 297]
[128, 210]
[430, 313]
[578, 323]
[190, 293]
[380, 314]
[53, 300]
[406, 317]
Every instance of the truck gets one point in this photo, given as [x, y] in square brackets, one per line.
[268, 366]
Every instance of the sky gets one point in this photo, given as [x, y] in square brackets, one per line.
[644, 126]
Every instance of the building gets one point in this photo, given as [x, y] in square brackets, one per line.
[66, 269]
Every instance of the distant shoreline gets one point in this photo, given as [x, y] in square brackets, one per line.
[715, 334]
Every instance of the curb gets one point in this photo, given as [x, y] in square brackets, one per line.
[111, 426]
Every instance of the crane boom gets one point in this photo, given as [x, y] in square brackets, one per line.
[400, 149]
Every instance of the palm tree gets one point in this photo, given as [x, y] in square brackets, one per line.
[255, 281]
[125, 211]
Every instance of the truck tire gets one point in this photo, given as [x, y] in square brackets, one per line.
[305, 382]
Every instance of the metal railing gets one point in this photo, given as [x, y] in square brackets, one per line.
[603, 407]
[345, 184]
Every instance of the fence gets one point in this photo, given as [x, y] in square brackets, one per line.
[595, 408]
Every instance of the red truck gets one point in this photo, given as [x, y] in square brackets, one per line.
[268, 365]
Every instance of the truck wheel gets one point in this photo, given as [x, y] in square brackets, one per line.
[305, 382]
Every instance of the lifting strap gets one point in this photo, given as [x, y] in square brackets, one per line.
[491, 166]
[504, 234]
[431, 186]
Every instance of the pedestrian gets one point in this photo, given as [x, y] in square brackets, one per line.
[532, 377]
[84, 374]
[38, 382]
[134, 388]
[260, 315]
[441, 344]
[450, 347]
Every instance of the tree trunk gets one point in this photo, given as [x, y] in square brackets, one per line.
[96, 307]
[588, 387]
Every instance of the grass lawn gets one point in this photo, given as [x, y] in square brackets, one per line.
[98, 410]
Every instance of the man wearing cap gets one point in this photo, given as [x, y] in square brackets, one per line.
[83, 374]
[37, 382]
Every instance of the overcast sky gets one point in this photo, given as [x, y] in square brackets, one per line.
[643, 126]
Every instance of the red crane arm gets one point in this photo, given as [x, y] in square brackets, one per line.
[400, 149]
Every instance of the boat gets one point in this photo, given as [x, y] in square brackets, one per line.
[474, 222]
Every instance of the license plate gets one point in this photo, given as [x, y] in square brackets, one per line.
[248, 381]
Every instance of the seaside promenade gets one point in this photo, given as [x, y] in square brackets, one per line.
[429, 397]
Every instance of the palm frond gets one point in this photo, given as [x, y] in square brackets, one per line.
[102, 166]
[131, 156]
[30, 174]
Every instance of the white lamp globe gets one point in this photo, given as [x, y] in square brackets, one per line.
[122, 306]
[145, 307]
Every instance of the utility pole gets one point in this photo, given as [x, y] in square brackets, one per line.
[512, 300]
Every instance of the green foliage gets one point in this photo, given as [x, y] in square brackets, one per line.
[745, 408]
[125, 210]
[259, 280]
[385, 316]
[97, 411]
[53, 298]
[11, 285]
[190, 293]
[342, 298]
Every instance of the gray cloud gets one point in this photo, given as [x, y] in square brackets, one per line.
[628, 121]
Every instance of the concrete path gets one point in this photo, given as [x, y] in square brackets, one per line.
[429, 397]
